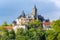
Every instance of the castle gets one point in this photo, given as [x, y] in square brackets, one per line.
[23, 19]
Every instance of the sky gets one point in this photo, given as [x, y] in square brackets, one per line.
[11, 9]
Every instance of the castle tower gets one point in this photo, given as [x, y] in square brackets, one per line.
[34, 12]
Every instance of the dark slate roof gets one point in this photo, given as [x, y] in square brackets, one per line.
[19, 17]
[47, 20]
[41, 18]
[14, 22]
[22, 15]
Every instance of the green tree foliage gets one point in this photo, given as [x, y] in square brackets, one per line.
[56, 25]
[51, 35]
[5, 24]
[20, 34]
[31, 34]
[10, 25]
[35, 24]
[7, 35]
[35, 32]
[55, 33]
[4, 35]
[12, 34]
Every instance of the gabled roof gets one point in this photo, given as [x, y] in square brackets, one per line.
[22, 15]
[14, 22]
[46, 23]
[8, 27]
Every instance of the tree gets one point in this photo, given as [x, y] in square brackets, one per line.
[35, 30]
[51, 35]
[35, 24]
[20, 34]
[56, 25]
[40, 34]
[10, 25]
[11, 34]
[55, 33]
[5, 24]
[32, 33]
[5, 34]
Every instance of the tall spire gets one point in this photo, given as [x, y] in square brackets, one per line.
[22, 15]
[35, 7]
[34, 11]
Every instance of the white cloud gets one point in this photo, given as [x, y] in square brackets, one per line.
[56, 2]
[54, 15]
[40, 0]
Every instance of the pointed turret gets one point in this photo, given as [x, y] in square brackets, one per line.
[23, 14]
[35, 7]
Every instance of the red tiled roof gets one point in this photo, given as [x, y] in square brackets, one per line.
[46, 23]
[8, 27]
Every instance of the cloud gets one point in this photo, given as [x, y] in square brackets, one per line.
[40, 0]
[49, 9]
[56, 2]
[55, 16]
[52, 15]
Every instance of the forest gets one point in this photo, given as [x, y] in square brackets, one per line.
[32, 33]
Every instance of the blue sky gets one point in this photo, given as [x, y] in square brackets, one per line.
[11, 9]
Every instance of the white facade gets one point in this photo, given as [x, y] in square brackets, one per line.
[18, 27]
